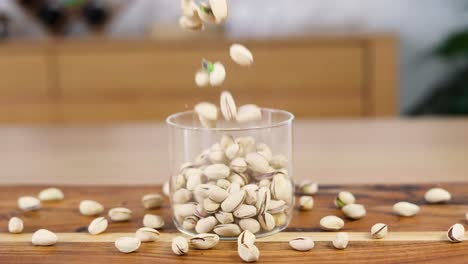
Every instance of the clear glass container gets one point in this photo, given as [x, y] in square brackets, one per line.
[232, 177]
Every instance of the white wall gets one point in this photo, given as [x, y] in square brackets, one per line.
[420, 24]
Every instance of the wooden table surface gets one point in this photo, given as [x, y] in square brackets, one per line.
[419, 239]
[338, 151]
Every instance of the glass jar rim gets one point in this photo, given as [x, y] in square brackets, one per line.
[170, 120]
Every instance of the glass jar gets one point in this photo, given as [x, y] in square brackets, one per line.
[228, 179]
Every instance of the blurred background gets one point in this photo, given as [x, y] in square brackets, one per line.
[113, 60]
[85, 85]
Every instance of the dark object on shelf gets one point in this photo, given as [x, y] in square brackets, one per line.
[31, 4]
[4, 25]
[96, 13]
[53, 15]
[449, 97]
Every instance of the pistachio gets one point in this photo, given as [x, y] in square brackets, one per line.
[241, 55]
[405, 209]
[219, 8]
[245, 211]
[44, 237]
[184, 210]
[217, 156]
[257, 162]
[308, 187]
[248, 252]
[224, 218]
[240, 178]
[228, 106]
[223, 183]
[218, 74]
[437, 195]
[282, 188]
[51, 194]
[200, 211]
[238, 165]
[217, 194]
[341, 240]
[29, 203]
[227, 230]
[166, 189]
[233, 188]
[354, 211]
[276, 206]
[189, 8]
[246, 237]
[248, 113]
[153, 221]
[233, 151]
[264, 150]
[194, 178]
[267, 221]
[251, 197]
[331, 223]
[202, 190]
[263, 199]
[264, 183]
[344, 198]
[206, 225]
[152, 201]
[204, 158]
[206, 14]
[251, 187]
[278, 161]
[202, 78]
[206, 112]
[147, 234]
[217, 171]
[89, 207]
[226, 141]
[280, 219]
[306, 202]
[179, 182]
[302, 243]
[181, 196]
[210, 206]
[233, 201]
[250, 224]
[247, 144]
[127, 244]
[190, 222]
[204, 241]
[191, 23]
[379, 231]
[120, 214]
[180, 246]
[15, 225]
[456, 233]
[98, 226]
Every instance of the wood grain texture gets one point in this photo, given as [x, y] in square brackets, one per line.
[63, 216]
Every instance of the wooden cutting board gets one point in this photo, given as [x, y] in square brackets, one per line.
[419, 239]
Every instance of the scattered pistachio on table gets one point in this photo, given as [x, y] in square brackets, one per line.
[354, 211]
[301, 243]
[180, 246]
[241, 55]
[120, 214]
[437, 195]
[456, 233]
[152, 201]
[29, 203]
[246, 237]
[15, 225]
[44, 237]
[308, 187]
[51, 194]
[153, 221]
[127, 244]
[405, 209]
[204, 241]
[248, 252]
[344, 198]
[306, 202]
[331, 223]
[98, 226]
[89, 208]
[147, 234]
[379, 231]
[341, 240]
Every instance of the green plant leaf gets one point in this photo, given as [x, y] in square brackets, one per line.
[455, 45]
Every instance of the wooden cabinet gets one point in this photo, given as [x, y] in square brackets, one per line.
[93, 81]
